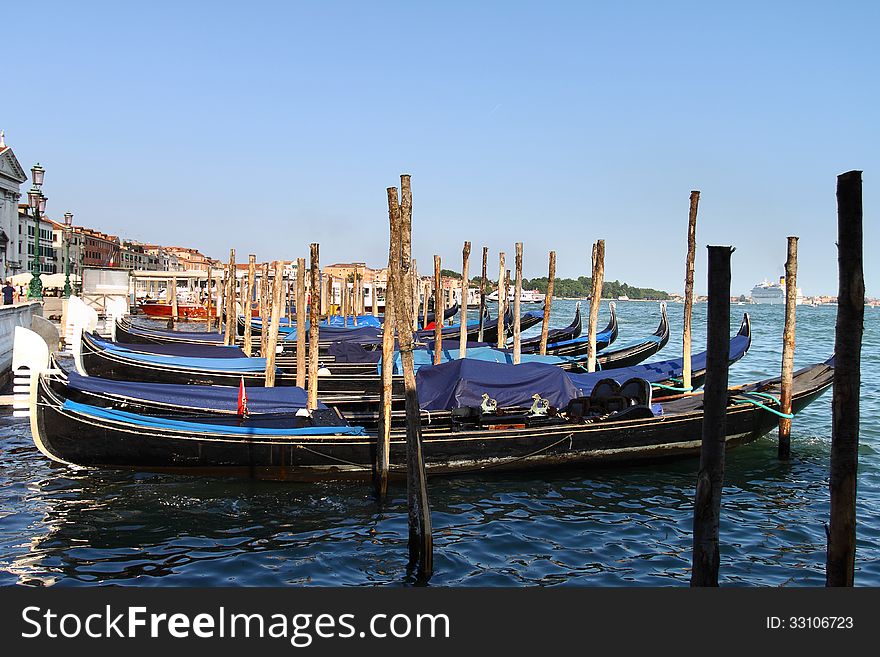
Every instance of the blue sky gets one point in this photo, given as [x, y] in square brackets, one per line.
[266, 126]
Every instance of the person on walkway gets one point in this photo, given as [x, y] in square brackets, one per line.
[9, 293]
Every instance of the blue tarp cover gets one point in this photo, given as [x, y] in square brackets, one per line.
[280, 399]
[179, 350]
[201, 336]
[205, 364]
[150, 422]
[463, 382]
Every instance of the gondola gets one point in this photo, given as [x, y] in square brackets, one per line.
[449, 313]
[573, 330]
[634, 353]
[625, 427]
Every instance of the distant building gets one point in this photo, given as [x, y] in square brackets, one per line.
[75, 248]
[26, 228]
[12, 176]
[190, 259]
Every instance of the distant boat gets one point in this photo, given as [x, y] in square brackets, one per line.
[767, 293]
[525, 296]
[623, 297]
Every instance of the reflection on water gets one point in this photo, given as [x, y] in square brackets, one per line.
[599, 527]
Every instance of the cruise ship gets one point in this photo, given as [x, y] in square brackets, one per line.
[772, 293]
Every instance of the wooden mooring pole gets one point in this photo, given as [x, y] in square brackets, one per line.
[246, 304]
[264, 310]
[383, 440]
[788, 343]
[421, 546]
[710, 478]
[175, 311]
[301, 321]
[502, 295]
[229, 306]
[462, 334]
[548, 302]
[438, 312]
[483, 294]
[209, 302]
[221, 301]
[314, 295]
[689, 291]
[595, 301]
[517, 292]
[840, 562]
[275, 324]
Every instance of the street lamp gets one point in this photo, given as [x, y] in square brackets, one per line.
[37, 203]
[68, 225]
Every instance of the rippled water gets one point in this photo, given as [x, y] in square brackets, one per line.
[604, 527]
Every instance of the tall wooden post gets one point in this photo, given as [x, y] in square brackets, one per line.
[502, 296]
[345, 300]
[275, 324]
[264, 310]
[421, 545]
[246, 304]
[301, 322]
[209, 302]
[595, 301]
[438, 312]
[689, 291]
[426, 294]
[290, 297]
[221, 301]
[414, 295]
[315, 291]
[548, 302]
[374, 296]
[710, 478]
[175, 311]
[840, 562]
[231, 314]
[383, 444]
[788, 348]
[462, 336]
[483, 294]
[517, 292]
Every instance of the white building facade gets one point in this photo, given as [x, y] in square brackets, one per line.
[12, 176]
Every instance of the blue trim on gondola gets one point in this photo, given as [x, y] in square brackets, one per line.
[205, 364]
[150, 422]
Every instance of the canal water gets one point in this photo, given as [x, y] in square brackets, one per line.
[622, 526]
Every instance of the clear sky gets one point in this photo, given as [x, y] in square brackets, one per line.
[269, 125]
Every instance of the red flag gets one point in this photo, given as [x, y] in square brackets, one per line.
[242, 399]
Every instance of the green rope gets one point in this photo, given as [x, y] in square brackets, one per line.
[747, 400]
[672, 388]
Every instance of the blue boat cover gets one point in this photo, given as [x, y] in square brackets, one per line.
[363, 320]
[204, 364]
[462, 383]
[424, 357]
[365, 334]
[179, 350]
[200, 336]
[601, 338]
[280, 399]
[659, 371]
[150, 422]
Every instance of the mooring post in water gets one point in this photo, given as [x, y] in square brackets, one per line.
[221, 301]
[314, 294]
[301, 322]
[788, 339]
[175, 310]
[383, 444]
[689, 292]
[208, 303]
[246, 303]
[595, 301]
[517, 291]
[275, 324]
[548, 302]
[710, 478]
[231, 314]
[414, 290]
[483, 294]
[462, 335]
[264, 310]
[438, 312]
[840, 562]
[426, 294]
[502, 294]
[420, 533]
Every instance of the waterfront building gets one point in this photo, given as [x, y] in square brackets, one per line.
[26, 226]
[190, 259]
[12, 176]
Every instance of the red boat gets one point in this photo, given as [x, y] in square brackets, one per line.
[184, 310]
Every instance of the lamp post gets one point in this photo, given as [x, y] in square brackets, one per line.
[68, 226]
[37, 203]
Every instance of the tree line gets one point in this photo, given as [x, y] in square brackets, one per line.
[578, 288]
